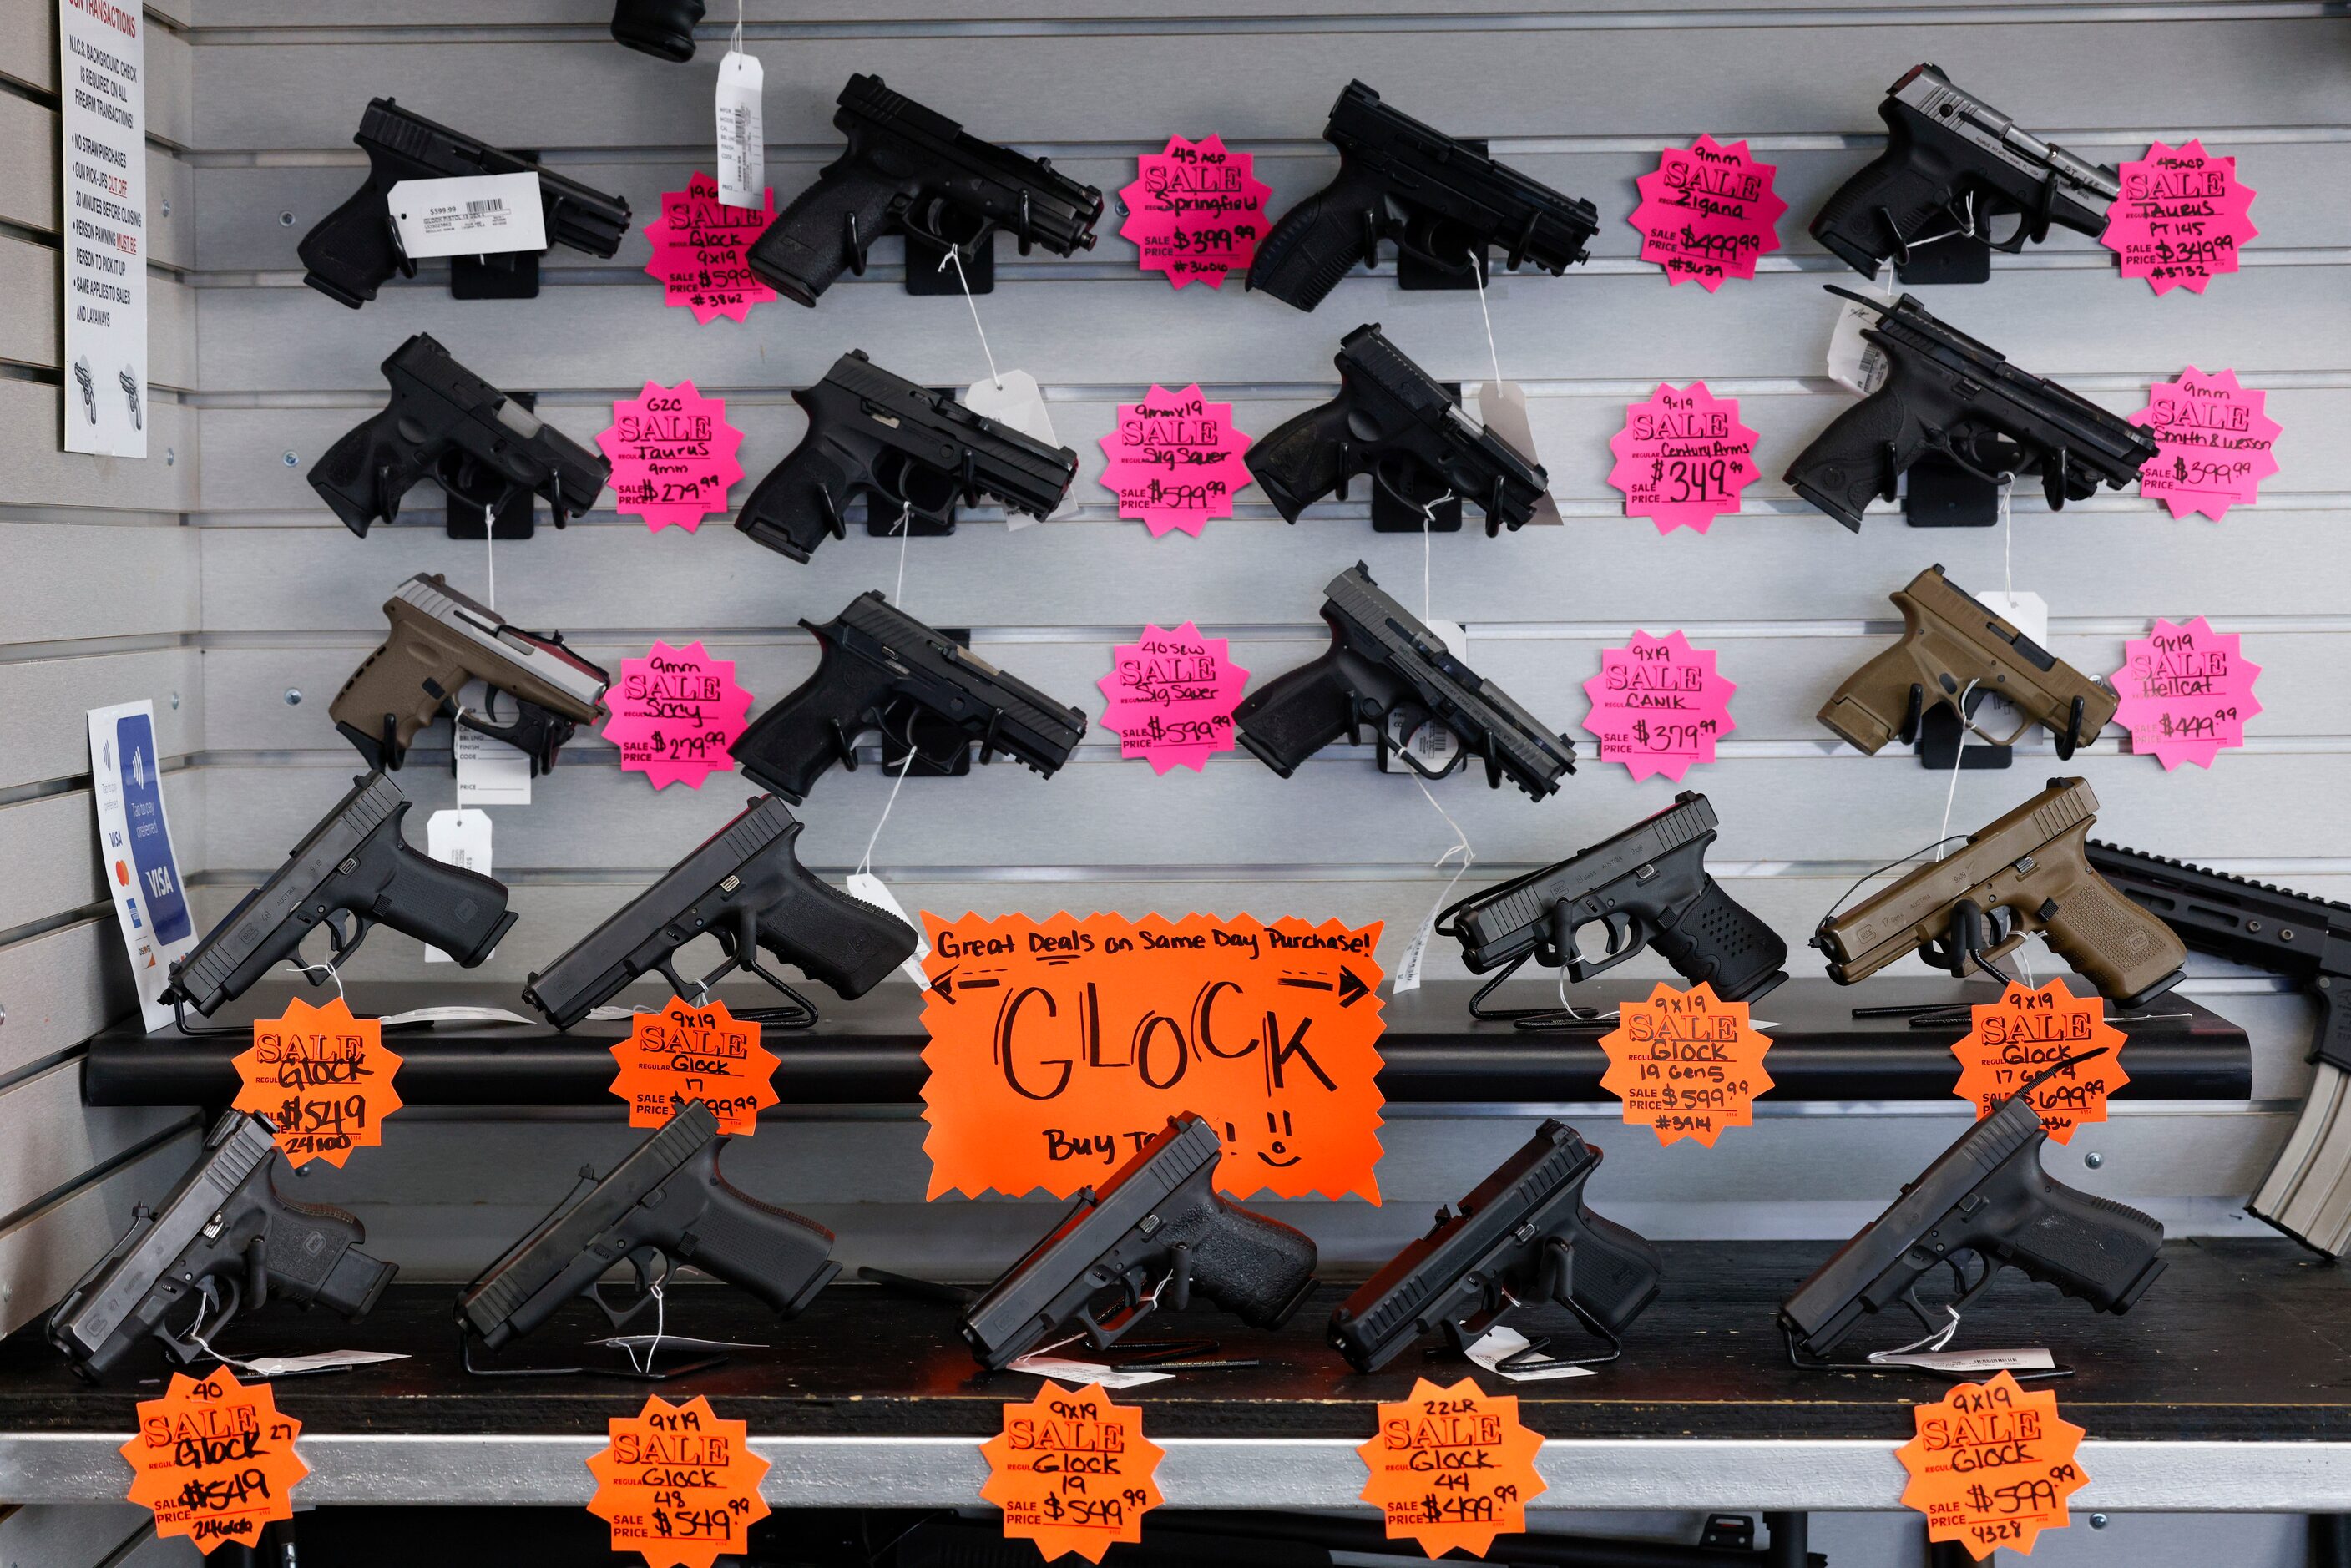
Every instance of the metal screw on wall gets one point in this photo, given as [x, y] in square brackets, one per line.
[291, 460]
[2097, 1522]
[167, 207]
[175, 701]
[286, 220]
[293, 697]
[2094, 1159]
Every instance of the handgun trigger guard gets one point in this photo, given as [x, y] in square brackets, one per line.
[798, 1012]
[535, 731]
[647, 1283]
[932, 233]
[212, 1316]
[1107, 1331]
[344, 946]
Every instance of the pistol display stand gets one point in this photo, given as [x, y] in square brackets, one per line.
[1941, 737]
[514, 518]
[508, 275]
[614, 1360]
[929, 273]
[1954, 258]
[1939, 494]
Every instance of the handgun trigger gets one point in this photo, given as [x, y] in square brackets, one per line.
[1913, 715]
[647, 1284]
[536, 732]
[1179, 1276]
[344, 946]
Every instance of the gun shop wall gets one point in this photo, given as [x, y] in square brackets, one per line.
[210, 579]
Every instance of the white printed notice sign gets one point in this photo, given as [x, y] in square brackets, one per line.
[102, 102]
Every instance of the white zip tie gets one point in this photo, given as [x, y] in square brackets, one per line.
[956, 255]
[490, 555]
[327, 969]
[1953, 793]
[1477, 271]
[865, 861]
[660, 1317]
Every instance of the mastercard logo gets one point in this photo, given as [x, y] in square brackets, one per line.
[122, 872]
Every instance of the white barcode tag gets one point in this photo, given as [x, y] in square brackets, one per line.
[460, 838]
[1015, 399]
[1968, 1361]
[1854, 360]
[1406, 975]
[489, 772]
[742, 135]
[1432, 745]
[1085, 1371]
[866, 888]
[1501, 407]
[470, 214]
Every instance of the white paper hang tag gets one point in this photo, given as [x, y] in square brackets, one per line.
[468, 214]
[460, 838]
[323, 1361]
[866, 888]
[1406, 975]
[1968, 1361]
[2029, 613]
[423, 1017]
[672, 1342]
[1015, 399]
[489, 772]
[1433, 744]
[742, 134]
[1500, 1343]
[1854, 360]
[1082, 1373]
[612, 1012]
[1501, 407]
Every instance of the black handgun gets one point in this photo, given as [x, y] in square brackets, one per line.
[1954, 162]
[910, 171]
[226, 1239]
[1523, 1236]
[664, 1204]
[879, 435]
[351, 873]
[881, 669]
[2308, 941]
[1646, 886]
[1383, 662]
[745, 885]
[1987, 1196]
[483, 448]
[351, 250]
[1443, 202]
[662, 28]
[1396, 422]
[1156, 1231]
[1945, 393]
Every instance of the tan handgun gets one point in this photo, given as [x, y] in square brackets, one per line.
[440, 640]
[1951, 642]
[2027, 872]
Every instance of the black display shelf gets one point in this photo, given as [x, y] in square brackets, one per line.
[870, 1051]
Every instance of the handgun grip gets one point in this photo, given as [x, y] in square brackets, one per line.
[844, 941]
[1719, 941]
[2089, 1248]
[1318, 241]
[662, 29]
[1297, 715]
[1304, 459]
[1857, 458]
[1612, 1272]
[1872, 707]
[1853, 224]
[391, 683]
[801, 500]
[461, 911]
[312, 1256]
[810, 244]
[350, 251]
[365, 475]
[774, 1254]
[788, 748]
[2128, 954]
[1256, 1268]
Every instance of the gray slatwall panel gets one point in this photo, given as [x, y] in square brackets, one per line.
[296, 14]
[1631, 83]
[2054, 322]
[28, 328]
[29, 55]
[44, 1252]
[67, 1537]
[1783, 681]
[246, 471]
[29, 185]
[42, 731]
[2294, 179]
[43, 594]
[61, 987]
[51, 847]
[1335, 810]
[52, 1135]
[39, 473]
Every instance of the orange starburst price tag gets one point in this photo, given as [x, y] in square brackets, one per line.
[215, 1459]
[2025, 1034]
[702, 1054]
[678, 1484]
[1072, 1472]
[322, 1077]
[1452, 1468]
[1992, 1466]
[1685, 1063]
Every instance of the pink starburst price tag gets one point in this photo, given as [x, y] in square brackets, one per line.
[672, 456]
[1174, 460]
[2182, 218]
[1196, 211]
[1172, 695]
[1707, 213]
[698, 244]
[674, 713]
[2213, 441]
[1683, 458]
[1658, 706]
[2186, 692]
